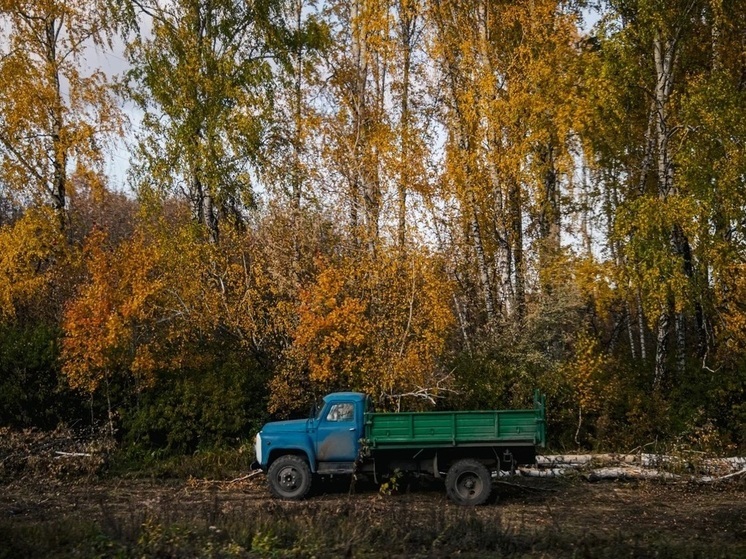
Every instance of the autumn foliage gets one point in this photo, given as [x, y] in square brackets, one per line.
[379, 326]
[437, 202]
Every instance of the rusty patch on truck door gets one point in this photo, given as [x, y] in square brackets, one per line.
[338, 446]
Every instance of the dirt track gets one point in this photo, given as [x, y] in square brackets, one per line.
[702, 515]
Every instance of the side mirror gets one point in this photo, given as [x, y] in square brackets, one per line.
[314, 411]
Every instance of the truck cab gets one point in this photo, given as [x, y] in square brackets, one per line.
[326, 443]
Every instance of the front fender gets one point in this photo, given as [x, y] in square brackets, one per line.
[289, 444]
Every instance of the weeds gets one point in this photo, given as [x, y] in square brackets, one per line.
[373, 527]
[218, 463]
[391, 485]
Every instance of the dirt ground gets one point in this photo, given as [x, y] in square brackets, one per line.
[696, 515]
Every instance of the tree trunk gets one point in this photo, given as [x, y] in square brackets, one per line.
[504, 273]
[661, 350]
[550, 216]
[366, 159]
[641, 328]
[210, 216]
[516, 243]
[680, 344]
[59, 150]
[716, 13]
[462, 323]
[484, 274]
[649, 148]
[407, 23]
[630, 332]
[297, 184]
[664, 51]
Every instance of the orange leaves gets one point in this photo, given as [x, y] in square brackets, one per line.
[333, 327]
[377, 324]
[153, 302]
[142, 305]
[104, 323]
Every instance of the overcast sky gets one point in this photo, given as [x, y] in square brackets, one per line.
[114, 64]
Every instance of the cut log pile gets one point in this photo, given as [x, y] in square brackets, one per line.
[594, 467]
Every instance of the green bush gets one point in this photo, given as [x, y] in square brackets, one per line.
[197, 410]
[31, 391]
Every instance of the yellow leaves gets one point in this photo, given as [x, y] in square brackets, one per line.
[371, 23]
[33, 253]
[512, 76]
[597, 282]
[588, 373]
[41, 122]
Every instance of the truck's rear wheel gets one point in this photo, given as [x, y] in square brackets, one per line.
[468, 482]
[289, 477]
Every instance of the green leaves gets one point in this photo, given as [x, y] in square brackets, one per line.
[647, 226]
[203, 79]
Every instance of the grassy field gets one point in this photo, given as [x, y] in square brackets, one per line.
[122, 517]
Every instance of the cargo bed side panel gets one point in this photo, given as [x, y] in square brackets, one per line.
[400, 430]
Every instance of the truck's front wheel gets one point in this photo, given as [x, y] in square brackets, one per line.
[289, 477]
[468, 482]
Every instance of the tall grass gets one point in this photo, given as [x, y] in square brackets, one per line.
[214, 463]
[366, 527]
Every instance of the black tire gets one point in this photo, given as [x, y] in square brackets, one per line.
[468, 483]
[289, 478]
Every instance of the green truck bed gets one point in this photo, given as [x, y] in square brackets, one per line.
[459, 428]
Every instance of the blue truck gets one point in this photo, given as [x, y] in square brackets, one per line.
[343, 437]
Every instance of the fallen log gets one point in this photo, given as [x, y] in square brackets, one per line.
[622, 473]
[709, 479]
[574, 460]
[610, 466]
[598, 474]
[544, 472]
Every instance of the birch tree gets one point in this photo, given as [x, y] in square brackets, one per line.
[507, 70]
[659, 49]
[202, 77]
[358, 128]
[57, 115]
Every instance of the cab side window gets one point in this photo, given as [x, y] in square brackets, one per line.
[340, 412]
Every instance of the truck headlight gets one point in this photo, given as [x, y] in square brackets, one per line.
[258, 448]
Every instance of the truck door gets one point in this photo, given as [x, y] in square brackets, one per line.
[337, 434]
